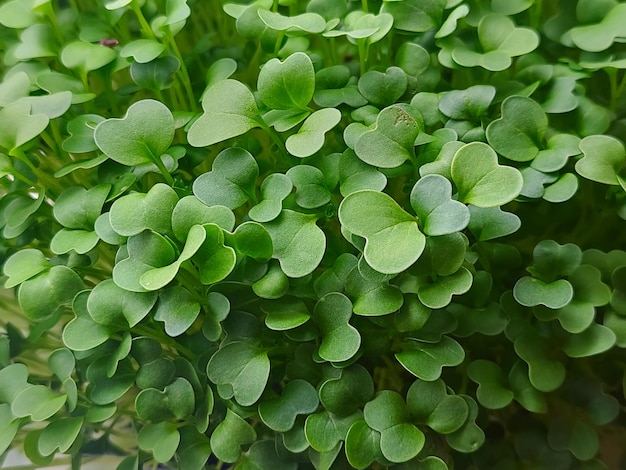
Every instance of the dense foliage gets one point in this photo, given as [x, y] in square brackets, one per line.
[313, 234]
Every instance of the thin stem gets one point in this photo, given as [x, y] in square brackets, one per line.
[164, 339]
[365, 6]
[186, 79]
[145, 26]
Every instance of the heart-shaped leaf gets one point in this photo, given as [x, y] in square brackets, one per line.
[142, 253]
[161, 439]
[288, 84]
[500, 40]
[86, 57]
[273, 285]
[415, 16]
[81, 130]
[178, 309]
[298, 397]
[141, 136]
[438, 213]
[351, 388]
[594, 340]
[214, 260]
[83, 333]
[311, 190]
[391, 142]
[426, 360]
[242, 366]
[18, 125]
[231, 181]
[294, 25]
[299, 244]
[356, 175]
[41, 296]
[529, 291]
[469, 437]
[274, 189]
[156, 75]
[599, 36]
[310, 137]
[37, 402]
[111, 306]
[429, 403]
[190, 211]
[603, 160]
[229, 110]
[468, 104]
[9, 425]
[230, 435]
[487, 223]
[384, 224]
[362, 445]
[383, 88]
[134, 213]
[372, 297]
[493, 391]
[340, 340]
[519, 133]
[324, 430]
[480, 180]
[545, 373]
[24, 265]
[59, 435]
[176, 401]
[400, 441]
[142, 50]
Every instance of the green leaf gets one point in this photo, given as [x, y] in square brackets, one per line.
[176, 401]
[594, 340]
[324, 431]
[480, 180]
[230, 435]
[231, 181]
[161, 439]
[132, 214]
[487, 223]
[299, 244]
[519, 134]
[9, 426]
[111, 306]
[190, 211]
[356, 175]
[603, 160]
[545, 373]
[601, 35]
[274, 189]
[59, 435]
[383, 88]
[86, 57]
[40, 297]
[141, 254]
[83, 333]
[141, 136]
[229, 111]
[24, 265]
[142, 50]
[81, 130]
[414, 15]
[362, 445]
[273, 285]
[287, 84]
[469, 437]
[311, 190]
[18, 125]
[340, 340]
[426, 360]
[286, 314]
[37, 402]
[430, 404]
[156, 75]
[500, 40]
[178, 309]
[391, 142]
[298, 398]
[310, 137]
[400, 441]
[529, 291]
[345, 393]
[393, 239]
[242, 366]
[493, 391]
[18, 14]
[469, 104]
[78, 208]
[438, 213]
[294, 25]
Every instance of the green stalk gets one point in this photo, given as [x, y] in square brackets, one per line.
[145, 26]
[183, 71]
